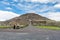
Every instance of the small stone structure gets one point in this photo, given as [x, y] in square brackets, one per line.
[16, 27]
[38, 22]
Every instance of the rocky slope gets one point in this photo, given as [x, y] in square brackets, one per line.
[24, 19]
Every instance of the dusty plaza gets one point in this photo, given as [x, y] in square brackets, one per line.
[28, 34]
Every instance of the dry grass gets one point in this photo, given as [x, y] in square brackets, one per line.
[49, 27]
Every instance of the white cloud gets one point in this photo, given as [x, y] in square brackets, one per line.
[41, 1]
[8, 8]
[52, 15]
[5, 15]
[4, 2]
[57, 6]
[15, 0]
[24, 7]
[31, 11]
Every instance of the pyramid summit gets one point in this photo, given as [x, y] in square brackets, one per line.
[33, 16]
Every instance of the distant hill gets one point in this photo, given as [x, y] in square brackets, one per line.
[24, 19]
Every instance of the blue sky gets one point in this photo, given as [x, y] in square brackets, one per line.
[46, 8]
